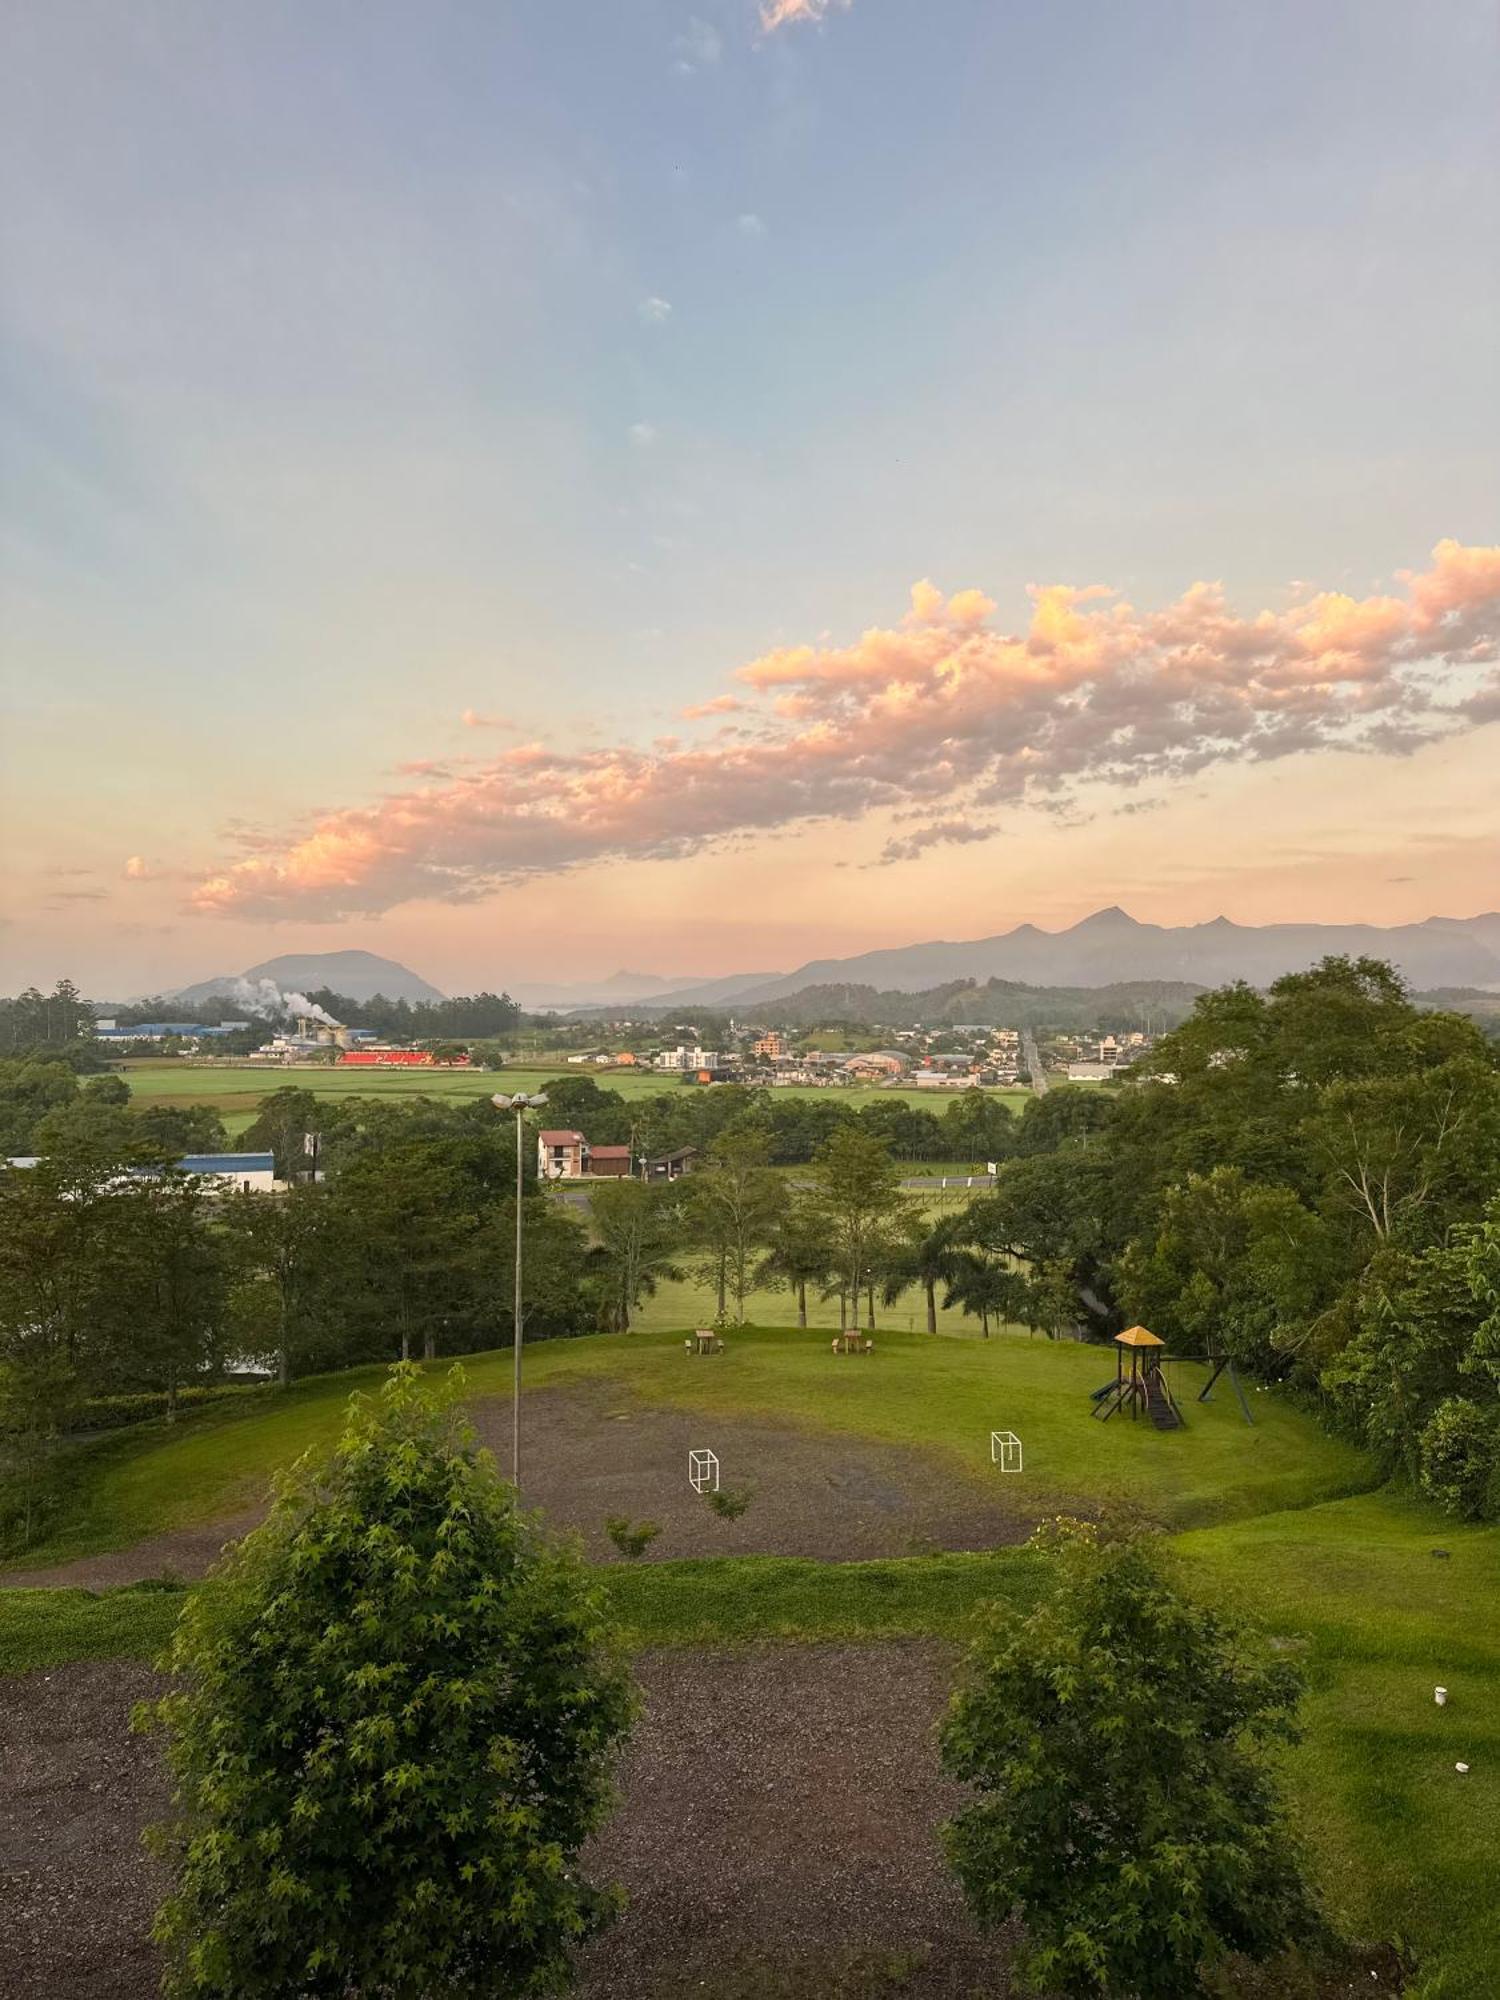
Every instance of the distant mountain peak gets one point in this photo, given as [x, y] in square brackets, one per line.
[1113, 918]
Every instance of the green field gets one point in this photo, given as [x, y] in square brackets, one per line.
[235, 1090]
[1278, 1520]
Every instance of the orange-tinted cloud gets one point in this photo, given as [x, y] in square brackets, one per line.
[940, 713]
[776, 14]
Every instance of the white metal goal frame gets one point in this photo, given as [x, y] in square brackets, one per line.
[1005, 1451]
[703, 1471]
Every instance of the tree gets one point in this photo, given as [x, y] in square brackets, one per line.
[925, 1257]
[409, 1215]
[1049, 1302]
[731, 1206]
[392, 1736]
[170, 1268]
[796, 1255]
[982, 1283]
[554, 1267]
[637, 1227]
[282, 1125]
[856, 1196]
[290, 1255]
[1116, 1738]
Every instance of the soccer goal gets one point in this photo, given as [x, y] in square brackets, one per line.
[703, 1471]
[1005, 1451]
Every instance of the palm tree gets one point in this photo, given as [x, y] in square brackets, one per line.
[925, 1258]
[796, 1257]
[983, 1285]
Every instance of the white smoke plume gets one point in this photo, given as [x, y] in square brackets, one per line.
[264, 996]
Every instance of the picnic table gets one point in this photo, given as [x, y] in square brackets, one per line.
[852, 1341]
[704, 1340]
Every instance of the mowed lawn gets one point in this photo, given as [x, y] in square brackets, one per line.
[1384, 1600]
[943, 1394]
[1280, 1523]
[235, 1090]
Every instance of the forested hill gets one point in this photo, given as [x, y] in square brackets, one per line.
[995, 1003]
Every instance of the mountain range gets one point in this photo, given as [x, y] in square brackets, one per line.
[1110, 946]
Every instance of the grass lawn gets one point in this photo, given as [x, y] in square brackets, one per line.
[1276, 1521]
[945, 1394]
[1406, 1842]
[235, 1090]
[721, 1600]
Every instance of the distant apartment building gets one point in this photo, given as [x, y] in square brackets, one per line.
[685, 1061]
[771, 1044]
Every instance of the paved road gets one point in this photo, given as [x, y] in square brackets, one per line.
[1033, 1062]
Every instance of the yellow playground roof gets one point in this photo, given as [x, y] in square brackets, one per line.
[1138, 1336]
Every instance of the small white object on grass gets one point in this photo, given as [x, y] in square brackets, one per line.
[1461, 1769]
[1440, 1696]
[1005, 1451]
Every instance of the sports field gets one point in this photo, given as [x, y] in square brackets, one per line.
[235, 1090]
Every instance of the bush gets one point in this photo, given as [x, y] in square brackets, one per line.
[1459, 1459]
[108, 1413]
[393, 1733]
[631, 1538]
[1125, 1812]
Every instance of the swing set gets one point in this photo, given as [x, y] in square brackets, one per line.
[1143, 1388]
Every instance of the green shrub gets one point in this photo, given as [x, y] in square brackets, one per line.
[108, 1413]
[631, 1538]
[1459, 1459]
[727, 1503]
[392, 1734]
[1115, 1739]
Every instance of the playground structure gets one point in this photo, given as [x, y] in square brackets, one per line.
[1144, 1387]
[1005, 1451]
[703, 1471]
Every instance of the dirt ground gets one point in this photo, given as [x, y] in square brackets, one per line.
[776, 1833]
[588, 1454]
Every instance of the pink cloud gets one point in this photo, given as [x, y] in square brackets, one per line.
[776, 14]
[941, 713]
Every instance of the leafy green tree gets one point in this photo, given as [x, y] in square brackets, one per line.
[856, 1196]
[290, 1275]
[796, 1255]
[175, 1129]
[170, 1270]
[638, 1232]
[1049, 1303]
[284, 1120]
[982, 1283]
[731, 1207]
[1459, 1453]
[392, 1735]
[1115, 1740]
[923, 1255]
[554, 1269]
[409, 1217]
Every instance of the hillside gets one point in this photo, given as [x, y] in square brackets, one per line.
[997, 1003]
[360, 975]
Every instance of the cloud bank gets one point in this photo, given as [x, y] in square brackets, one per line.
[941, 716]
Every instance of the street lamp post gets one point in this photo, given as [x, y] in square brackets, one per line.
[520, 1103]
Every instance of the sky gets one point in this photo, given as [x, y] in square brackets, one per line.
[535, 489]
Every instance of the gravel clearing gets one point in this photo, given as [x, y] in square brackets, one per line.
[776, 1833]
[588, 1453]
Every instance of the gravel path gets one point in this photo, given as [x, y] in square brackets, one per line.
[776, 1833]
[588, 1454]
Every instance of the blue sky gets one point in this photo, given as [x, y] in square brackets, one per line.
[361, 365]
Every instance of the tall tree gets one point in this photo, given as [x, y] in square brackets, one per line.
[290, 1273]
[410, 1219]
[638, 1231]
[391, 1737]
[731, 1207]
[1115, 1740]
[856, 1195]
[797, 1254]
